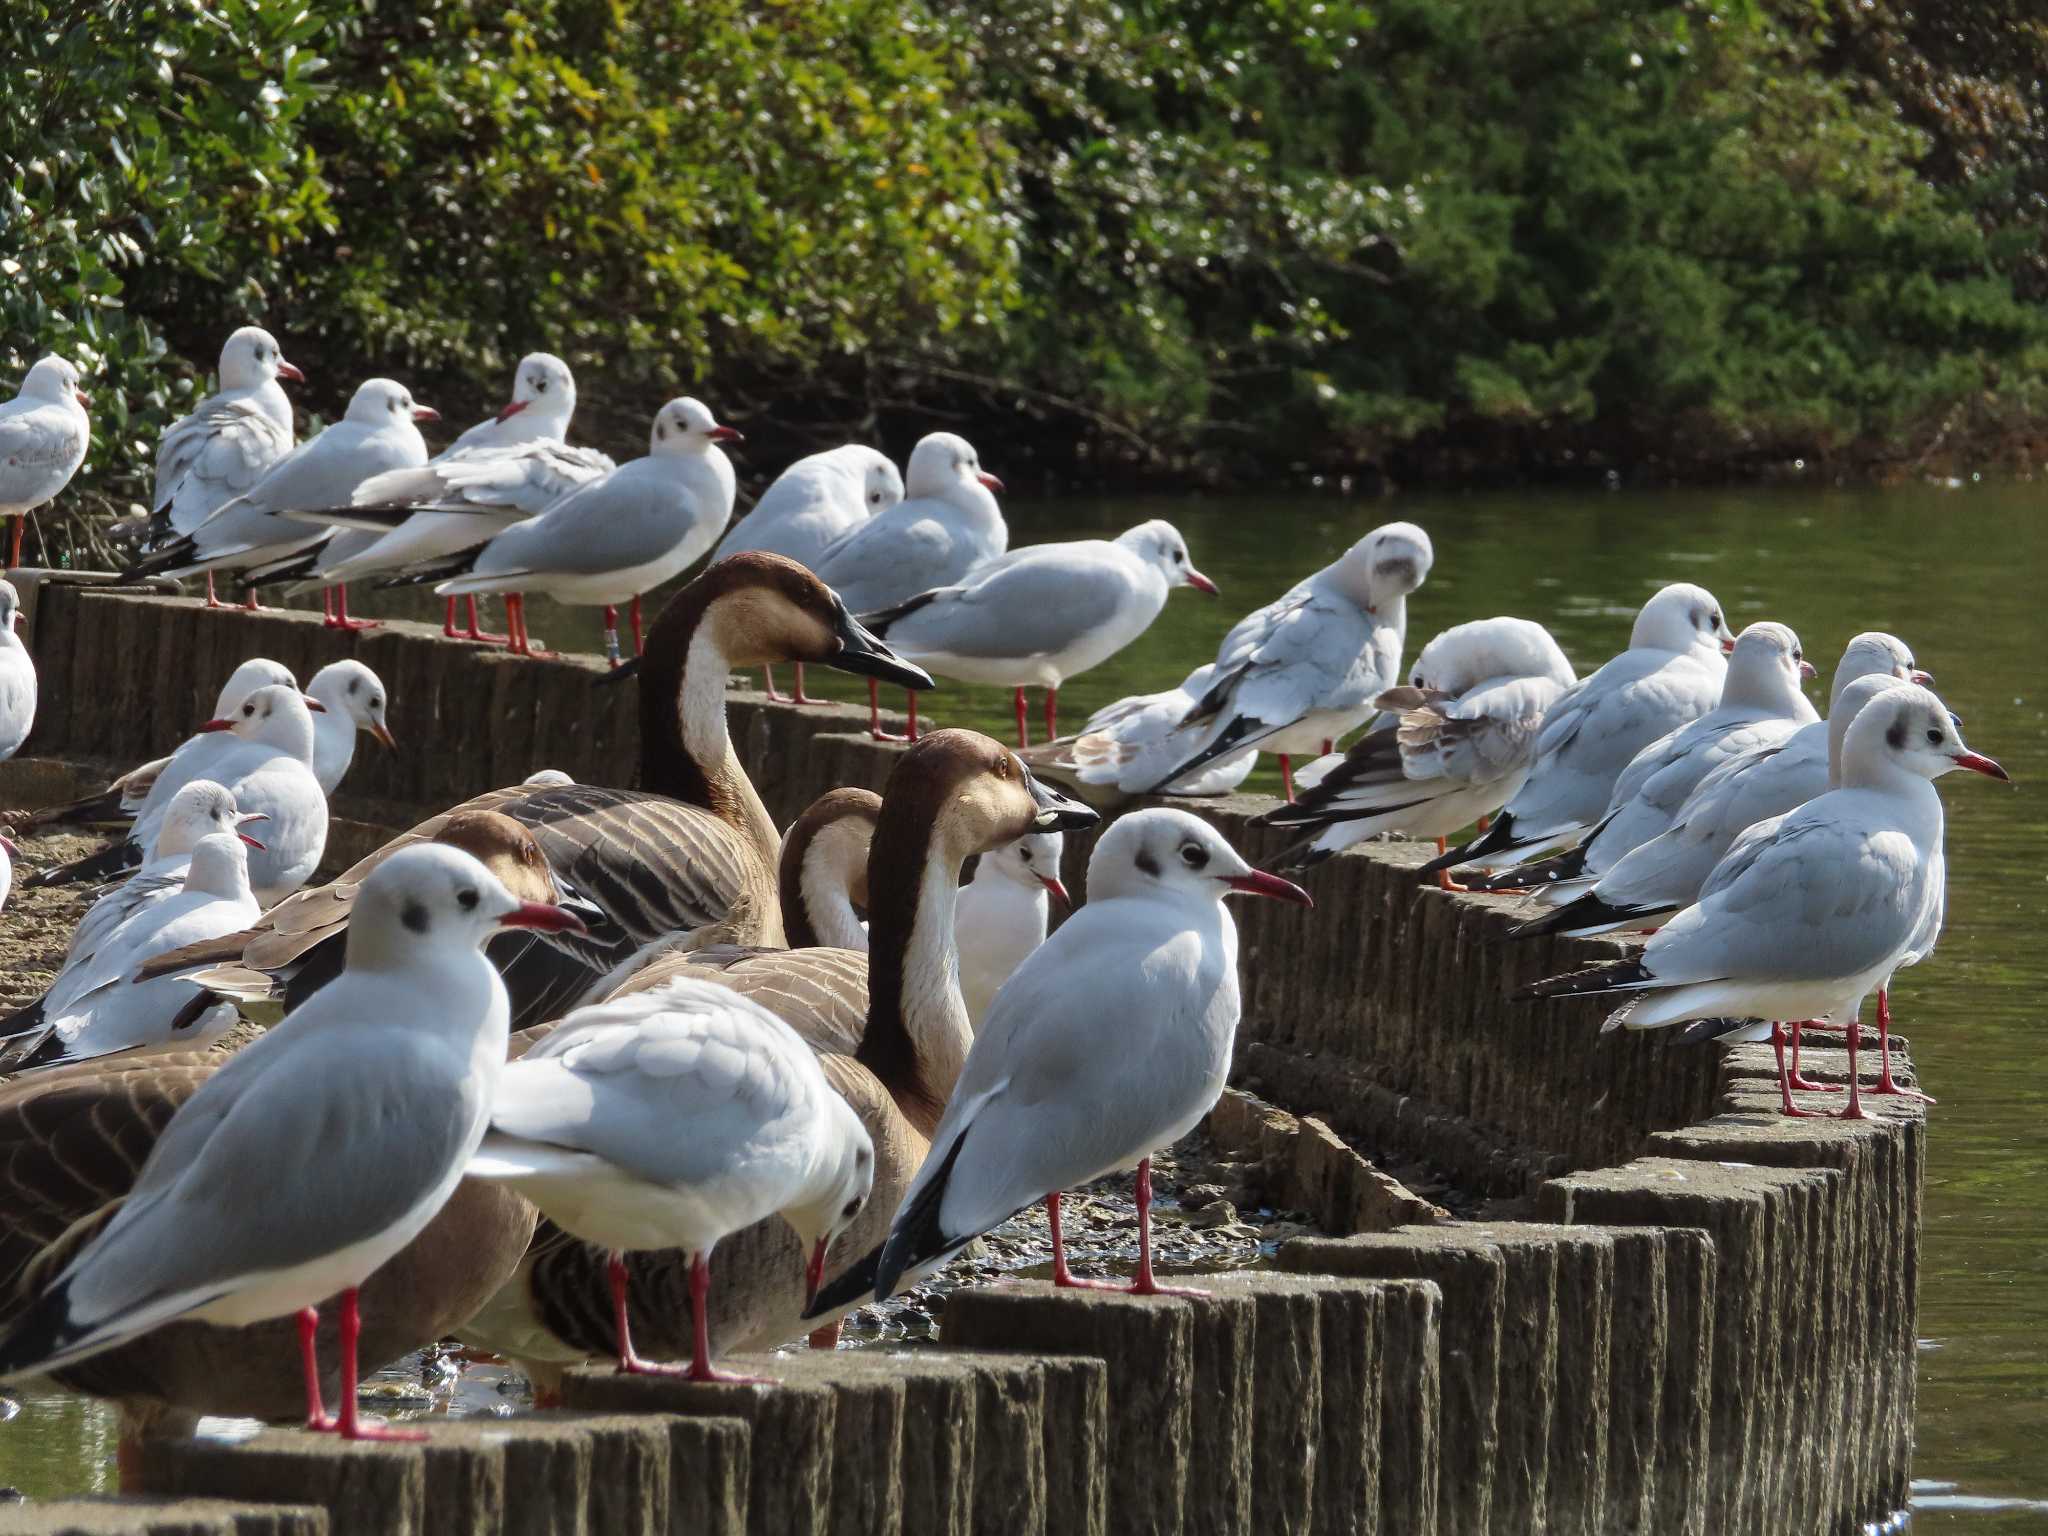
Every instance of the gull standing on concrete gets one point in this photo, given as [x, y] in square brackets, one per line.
[508, 467]
[1665, 873]
[812, 504]
[1035, 617]
[43, 436]
[673, 1118]
[17, 676]
[1458, 748]
[222, 448]
[321, 1149]
[264, 758]
[1761, 706]
[377, 433]
[947, 524]
[1294, 676]
[620, 535]
[1669, 676]
[118, 803]
[1113, 1039]
[96, 1007]
[1001, 914]
[1811, 911]
[351, 699]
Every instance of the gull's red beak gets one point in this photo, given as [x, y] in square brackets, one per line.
[513, 409]
[725, 435]
[243, 820]
[1059, 892]
[1806, 670]
[218, 725]
[990, 481]
[245, 837]
[1201, 583]
[425, 413]
[1924, 679]
[541, 915]
[83, 397]
[814, 1271]
[314, 704]
[382, 732]
[7, 845]
[1977, 762]
[1728, 646]
[287, 370]
[1259, 883]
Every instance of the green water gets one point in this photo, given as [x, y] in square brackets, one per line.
[1955, 572]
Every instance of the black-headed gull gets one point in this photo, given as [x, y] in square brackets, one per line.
[508, 467]
[1811, 911]
[97, 1007]
[262, 754]
[1761, 706]
[377, 433]
[1666, 872]
[44, 432]
[1034, 617]
[671, 1119]
[351, 699]
[1111, 1040]
[810, 506]
[1002, 913]
[118, 803]
[1297, 674]
[219, 450]
[1112, 758]
[1459, 744]
[17, 676]
[620, 535]
[320, 1150]
[946, 525]
[1669, 676]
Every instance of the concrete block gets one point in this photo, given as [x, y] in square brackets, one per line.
[1286, 1425]
[791, 1429]
[1147, 1344]
[1219, 1492]
[123, 1516]
[1076, 1444]
[1472, 1275]
[367, 1489]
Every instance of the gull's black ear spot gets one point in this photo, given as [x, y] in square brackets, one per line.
[1147, 863]
[414, 917]
[1895, 738]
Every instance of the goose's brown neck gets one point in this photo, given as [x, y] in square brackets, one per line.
[685, 750]
[917, 1033]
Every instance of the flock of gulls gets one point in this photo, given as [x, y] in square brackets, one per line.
[523, 1072]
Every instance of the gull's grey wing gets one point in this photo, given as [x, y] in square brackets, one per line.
[1015, 607]
[626, 520]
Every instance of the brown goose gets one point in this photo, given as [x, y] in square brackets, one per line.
[892, 1029]
[673, 855]
[72, 1140]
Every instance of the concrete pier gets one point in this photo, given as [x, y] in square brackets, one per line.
[1707, 1324]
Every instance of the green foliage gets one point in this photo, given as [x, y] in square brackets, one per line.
[1188, 234]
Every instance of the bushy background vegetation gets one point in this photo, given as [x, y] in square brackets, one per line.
[1225, 238]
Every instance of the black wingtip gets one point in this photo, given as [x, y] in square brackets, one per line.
[39, 1334]
[1500, 835]
[915, 1235]
[1609, 976]
[1303, 856]
[24, 1019]
[1569, 865]
[849, 1289]
[620, 673]
[1586, 912]
[104, 865]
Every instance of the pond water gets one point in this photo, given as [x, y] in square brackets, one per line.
[1954, 570]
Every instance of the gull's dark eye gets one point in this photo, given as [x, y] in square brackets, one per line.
[1717, 621]
[467, 898]
[1024, 854]
[1194, 856]
[852, 1210]
[540, 386]
[1934, 734]
[248, 709]
[875, 497]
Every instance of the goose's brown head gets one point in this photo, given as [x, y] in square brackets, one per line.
[973, 794]
[503, 847]
[760, 608]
